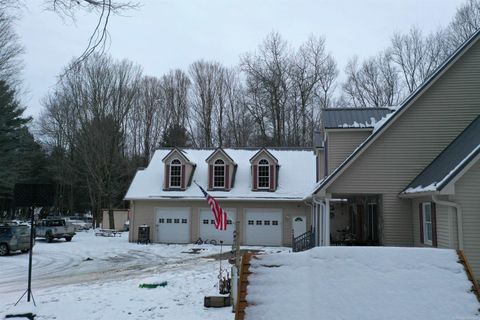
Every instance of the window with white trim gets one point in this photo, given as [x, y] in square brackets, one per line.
[427, 223]
[263, 175]
[219, 174]
[175, 173]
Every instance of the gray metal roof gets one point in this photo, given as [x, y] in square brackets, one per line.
[450, 161]
[353, 117]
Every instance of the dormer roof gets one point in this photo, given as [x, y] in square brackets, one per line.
[263, 151]
[180, 153]
[217, 151]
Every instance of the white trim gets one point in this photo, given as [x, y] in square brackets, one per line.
[224, 174]
[258, 174]
[425, 233]
[170, 174]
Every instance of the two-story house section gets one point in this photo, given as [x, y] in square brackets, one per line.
[262, 189]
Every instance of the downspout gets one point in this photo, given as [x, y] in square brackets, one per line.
[458, 210]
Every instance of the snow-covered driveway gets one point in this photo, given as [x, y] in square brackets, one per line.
[99, 277]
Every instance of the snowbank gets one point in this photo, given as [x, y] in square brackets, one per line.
[360, 283]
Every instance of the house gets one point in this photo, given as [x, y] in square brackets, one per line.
[415, 180]
[263, 189]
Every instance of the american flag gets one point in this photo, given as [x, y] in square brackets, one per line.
[219, 214]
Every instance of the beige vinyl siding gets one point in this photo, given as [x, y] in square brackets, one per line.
[320, 153]
[467, 195]
[341, 144]
[144, 213]
[418, 135]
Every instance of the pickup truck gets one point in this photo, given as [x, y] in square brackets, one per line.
[54, 229]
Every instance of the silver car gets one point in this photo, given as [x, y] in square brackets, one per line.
[13, 238]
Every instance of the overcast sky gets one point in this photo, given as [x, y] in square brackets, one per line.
[167, 34]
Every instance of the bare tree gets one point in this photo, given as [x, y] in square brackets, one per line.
[207, 101]
[373, 83]
[10, 50]
[417, 56]
[268, 87]
[313, 74]
[464, 24]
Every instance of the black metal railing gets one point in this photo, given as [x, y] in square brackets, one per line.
[304, 241]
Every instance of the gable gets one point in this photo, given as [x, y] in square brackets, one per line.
[415, 134]
[450, 162]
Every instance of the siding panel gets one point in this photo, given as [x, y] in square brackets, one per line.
[467, 191]
[412, 142]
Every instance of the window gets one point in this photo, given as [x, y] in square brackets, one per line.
[229, 221]
[266, 222]
[161, 220]
[274, 223]
[169, 220]
[219, 174]
[176, 220]
[263, 174]
[212, 221]
[175, 173]
[250, 222]
[205, 221]
[427, 223]
[184, 220]
[259, 222]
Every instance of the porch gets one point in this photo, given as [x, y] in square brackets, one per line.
[347, 220]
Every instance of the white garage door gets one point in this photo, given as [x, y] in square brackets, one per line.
[173, 225]
[207, 227]
[263, 227]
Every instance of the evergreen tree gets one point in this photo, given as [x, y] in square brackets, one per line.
[12, 123]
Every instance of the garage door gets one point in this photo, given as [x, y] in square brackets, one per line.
[263, 227]
[173, 225]
[207, 226]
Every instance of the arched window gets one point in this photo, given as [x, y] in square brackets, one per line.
[175, 173]
[219, 174]
[263, 174]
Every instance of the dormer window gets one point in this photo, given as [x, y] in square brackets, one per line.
[175, 173]
[219, 174]
[263, 174]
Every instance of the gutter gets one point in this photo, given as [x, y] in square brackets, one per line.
[459, 217]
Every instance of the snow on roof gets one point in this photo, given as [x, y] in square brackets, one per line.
[463, 149]
[360, 283]
[353, 117]
[296, 176]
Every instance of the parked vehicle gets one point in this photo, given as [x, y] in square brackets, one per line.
[54, 229]
[13, 238]
[79, 225]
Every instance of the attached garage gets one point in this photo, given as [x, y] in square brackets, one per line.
[207, 226]
[172, 225]
[263, 227]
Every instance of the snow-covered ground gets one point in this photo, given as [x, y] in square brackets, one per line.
[98, 278]
[374, 283]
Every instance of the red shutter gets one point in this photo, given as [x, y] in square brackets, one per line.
[434, 225]
[254, 182]
[227, 177]
[420, 214]
[272, 177]
[210, 176]
[182, 181]
[167, 176]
